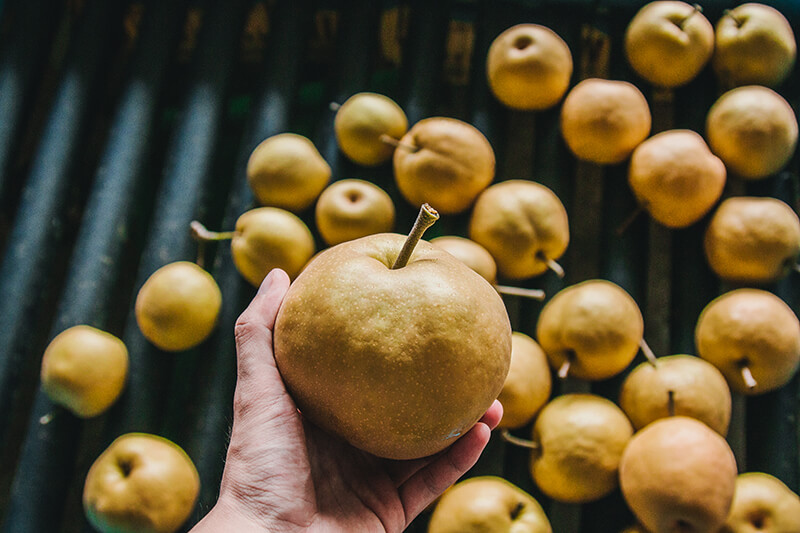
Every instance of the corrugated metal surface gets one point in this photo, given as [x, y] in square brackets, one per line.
[121, 122]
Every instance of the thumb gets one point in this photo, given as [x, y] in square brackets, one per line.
[253, 331]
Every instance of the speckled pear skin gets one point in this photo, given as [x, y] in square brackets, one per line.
[397, 362]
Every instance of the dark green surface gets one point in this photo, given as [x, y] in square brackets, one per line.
[287, 88]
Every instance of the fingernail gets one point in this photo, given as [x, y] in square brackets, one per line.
[265, 285]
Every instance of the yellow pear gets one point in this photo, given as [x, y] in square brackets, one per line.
[141, 482]
[444, 162]
[362, 121]
[267, 238]
[677, 474]
[84, 369]
[580, 439]
[752, 239]
[528, 384]
[676, 178]
[287, 171]
[488, 504]
[470, 253]
[602, 121]
[401, 353]
[352, 208]
[763, 503]
[529, 67]
[669, 42]
[755, 45]
[524, 226]
[753, 130]
[682, 385]
[177, 307]
[753, 337]
[591, 330]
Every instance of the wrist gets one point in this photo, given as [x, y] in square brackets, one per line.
[226, 516]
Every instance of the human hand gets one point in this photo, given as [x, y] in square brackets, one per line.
[284, 474]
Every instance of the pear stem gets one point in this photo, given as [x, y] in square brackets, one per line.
[523, 443]
[738, 21]
[551, 264]
[563, 370]
[648, 352]
[534, 294]
[391, 141]
[334, 106]
[622, 228]
[425, 219]
[201, 233]
[671, 402]
[749, 380]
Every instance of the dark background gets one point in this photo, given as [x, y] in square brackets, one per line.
[120, 122]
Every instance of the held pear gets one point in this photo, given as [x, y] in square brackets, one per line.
[267, 238]
[762, 503]
[287, 171]
[677, 474]
[352, 208]
[676, 178]
[591, 330]
[528, 384]
[177, 307]
[579, 440]
[141, 482]
[753, 337]
[752, 240]
[529, 67]
[683, 385]
[669, 42]
[753, 130]
[488, 504]
[398, 357]
[524, 226]
[84, 370]
[362, 121]
[602, 121]
[755, 45]
[444, 162]
[470, 253]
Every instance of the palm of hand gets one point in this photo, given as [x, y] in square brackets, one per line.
[284, 474]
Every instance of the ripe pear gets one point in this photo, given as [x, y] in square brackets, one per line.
[84, 369]
[287, 171]
[178, 306]
[352, 208]
[488, 504]
[762, 503]
[591, 330]
[682, 385]
[528, 384]
[753, 337]
[602, 121]
[470, 253]
[524, 226]
[752, 240]
[755, 45]
[444, 162]
[141, 482]
[398, 358]
[753, 130]
[669, 42]
[677, 474]
[267, 238]
[529, 67]
[362, 121]
[676, 178]
[580, 439]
